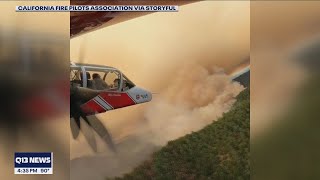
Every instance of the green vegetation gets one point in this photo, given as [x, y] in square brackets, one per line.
[219, 151]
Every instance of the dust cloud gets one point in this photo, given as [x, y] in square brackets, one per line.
[194, 98]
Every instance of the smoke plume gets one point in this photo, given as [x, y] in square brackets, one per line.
[194, 98]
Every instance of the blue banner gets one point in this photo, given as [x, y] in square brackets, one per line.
[33, 160]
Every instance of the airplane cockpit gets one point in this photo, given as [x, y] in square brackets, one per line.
[100, 78]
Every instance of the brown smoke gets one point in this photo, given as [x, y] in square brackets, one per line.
[193, 99]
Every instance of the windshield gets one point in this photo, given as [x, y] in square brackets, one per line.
[127, 84]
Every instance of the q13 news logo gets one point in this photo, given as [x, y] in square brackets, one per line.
[33, 163]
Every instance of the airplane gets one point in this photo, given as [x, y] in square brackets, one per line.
[96, 89]
[86, 101]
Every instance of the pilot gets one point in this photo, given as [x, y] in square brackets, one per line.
[117, 83]
[124, 86]
[98, 82]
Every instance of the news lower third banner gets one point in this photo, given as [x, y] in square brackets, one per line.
[33, 163]
[125, 8]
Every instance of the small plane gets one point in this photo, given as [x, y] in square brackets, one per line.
[97, 89]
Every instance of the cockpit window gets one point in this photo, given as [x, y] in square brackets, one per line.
[102, 79]
[113, 79]
[95, 81]
[126, 84]
[75, 76]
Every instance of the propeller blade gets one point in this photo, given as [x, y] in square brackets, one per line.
[75, 127]
[88, 134]
[102, 131]
[77, 99]
[76, 121]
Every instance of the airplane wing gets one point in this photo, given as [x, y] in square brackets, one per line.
[84, 22]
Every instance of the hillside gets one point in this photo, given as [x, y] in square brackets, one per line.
[219, 151]
[244, 79]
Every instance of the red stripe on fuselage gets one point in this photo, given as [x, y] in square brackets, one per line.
[117, 100]
[92, 107]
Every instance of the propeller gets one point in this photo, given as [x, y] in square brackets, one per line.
[79, 121]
